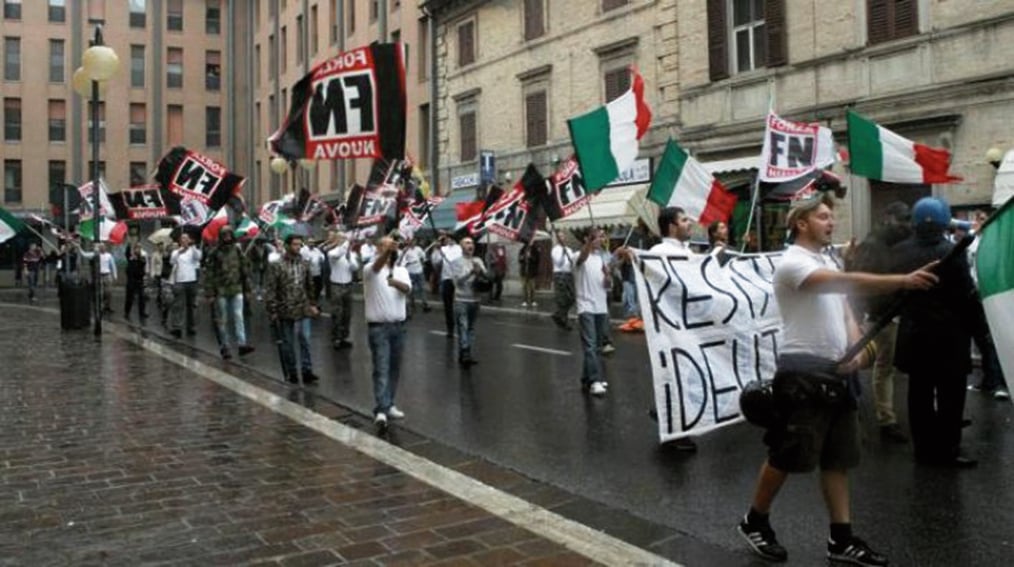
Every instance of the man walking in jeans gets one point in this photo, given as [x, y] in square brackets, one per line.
[186, 260]
[288, 299]
[226, 284]
[386, 287]
[344, 264]
[818, 328]
[591, 282]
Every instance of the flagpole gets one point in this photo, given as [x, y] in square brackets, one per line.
[753, 209]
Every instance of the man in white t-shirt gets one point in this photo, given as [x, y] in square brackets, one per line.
[185, 261]
[446, 253]
[818, 328]
[386, 286]
[591, 284]
[412, 258]
[315, 257]
[344, 264]
[563, 280]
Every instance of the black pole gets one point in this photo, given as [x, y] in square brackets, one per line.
[96, 198]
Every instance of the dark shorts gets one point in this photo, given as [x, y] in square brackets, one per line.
[814, 435]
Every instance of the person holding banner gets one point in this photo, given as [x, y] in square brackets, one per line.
[563, 281]
[446, 252]
[817, 395]
[386, 285]
[466, 301]
[592, 282]
[344, 265]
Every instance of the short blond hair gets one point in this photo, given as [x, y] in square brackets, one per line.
[802, 209]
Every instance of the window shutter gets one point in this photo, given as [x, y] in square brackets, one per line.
[466, 44]
[774, 28]
[535, 118]
[612, 4]
[905, 21]
[533, 19]
[878, 21]
[467, 125]
[617, 83]
[718, 41]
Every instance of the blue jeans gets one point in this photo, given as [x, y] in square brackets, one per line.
[591, 328]
[303, 329]
[630, 308]
[418, 289]
[387, 340]
[226, 306]
[465, 313]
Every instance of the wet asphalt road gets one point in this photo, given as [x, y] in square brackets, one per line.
[523, 409]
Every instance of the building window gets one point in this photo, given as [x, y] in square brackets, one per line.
[174, 68]
[272, 9]
[613, 4]
[137, 66]
[12, 119]
[102, 122]
[535, 19]
[12, 9]
[138, 173]
[212, 70]
[300, 38]
[466, 128]
[257, 65]
[138, 9]
[12, 58]
[332, 20]
[174, 125]
[313, 30]
[423, 50]
[138, 124]
[273, 113]
[56, 61]
[374, 10]
[748, 41]
[57, 121]
[12, 181]
[283, 55]
[466, 43]
[57, 174]
[174, 13]
[744, 35]
[285, 99]
[350, 10]
[617, 82]
[887, 20]
[257, 120]
[423, 158]
[212, 127]
[536, 118]
[272, 57]
[57, 11]
[213, 18]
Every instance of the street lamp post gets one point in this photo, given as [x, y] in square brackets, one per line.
[98, 64]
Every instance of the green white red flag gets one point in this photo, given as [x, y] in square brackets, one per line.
[878, 153]
[9, 225]
[994, 264]
[681, 181]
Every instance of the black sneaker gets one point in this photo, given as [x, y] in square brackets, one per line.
[309, 377]
[762, 541]
[854, 551]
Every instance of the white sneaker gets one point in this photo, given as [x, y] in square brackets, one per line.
[395, 413]
[608, 348]
[1001, 394]
[524, 304]
[380, 419]
[597, 389]
[534, 304]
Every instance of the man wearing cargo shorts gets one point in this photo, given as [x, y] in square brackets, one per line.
[819, 326]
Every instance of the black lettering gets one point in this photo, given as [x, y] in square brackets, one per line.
[773, 333]
[800, 152]
[190, 175]
[324, 107]
[364, 101]
[655, 295]
[748, 280]
[707, 281]
[715, 390]
[684, 424]
[686, 300]
[776, 147]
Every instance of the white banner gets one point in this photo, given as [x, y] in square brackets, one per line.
[793, 149]
[711, 329]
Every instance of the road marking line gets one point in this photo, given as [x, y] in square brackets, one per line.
[577, 537]
[542, 349]
[441, 333]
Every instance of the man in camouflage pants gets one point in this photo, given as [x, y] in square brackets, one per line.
[226, 284]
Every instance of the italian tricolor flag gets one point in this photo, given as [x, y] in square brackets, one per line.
[605, 139]
[246, 229]
[111, 231]
[214, 226]
[9, 225]
[994, 263]
[681, 181]
[878, 153]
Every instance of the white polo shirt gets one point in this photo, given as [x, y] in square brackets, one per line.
[186, 263]
[314, 257]
[343, 264]
[589, 284]
[563, 259]
[384, 303]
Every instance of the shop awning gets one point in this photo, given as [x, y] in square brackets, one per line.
[612, 206]
[735, 165]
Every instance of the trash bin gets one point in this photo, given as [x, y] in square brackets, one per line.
[75, 303]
